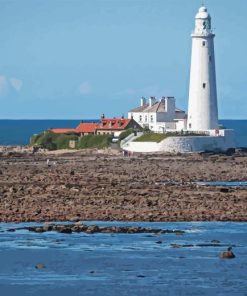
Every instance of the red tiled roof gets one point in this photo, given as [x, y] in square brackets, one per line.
[113, 124]
[104, 124]
[61, 130]
[86, 128]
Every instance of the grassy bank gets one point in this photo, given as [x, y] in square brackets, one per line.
[151, 137]
[52, 141]
[94, 141]
[155, 137]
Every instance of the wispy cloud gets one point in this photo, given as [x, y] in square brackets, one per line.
[16, 83]
[85, 88]
[3, 85]
[6, 84]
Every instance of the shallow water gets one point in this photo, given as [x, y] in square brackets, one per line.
[223, 183]
[124, 264]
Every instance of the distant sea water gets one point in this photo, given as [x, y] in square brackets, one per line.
[19, 132]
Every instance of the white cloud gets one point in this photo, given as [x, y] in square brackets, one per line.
[3, 85]
[85, 88]
[16, 83]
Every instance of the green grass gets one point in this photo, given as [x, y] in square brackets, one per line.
[94, 141]
[125, 134]
[152, 137]
[53, 141]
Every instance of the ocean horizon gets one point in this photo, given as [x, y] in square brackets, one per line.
[19, 131]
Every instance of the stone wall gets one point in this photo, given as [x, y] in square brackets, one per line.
[186, 144]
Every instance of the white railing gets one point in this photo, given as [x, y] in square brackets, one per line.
[130, 138]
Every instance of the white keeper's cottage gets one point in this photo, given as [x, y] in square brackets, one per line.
[159, 115]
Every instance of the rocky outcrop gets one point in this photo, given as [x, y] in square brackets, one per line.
[90, 229]
[82, 187]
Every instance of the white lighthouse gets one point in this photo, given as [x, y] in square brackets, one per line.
[203, 110]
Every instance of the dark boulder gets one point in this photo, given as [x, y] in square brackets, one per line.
[40, 266]
[227, 254]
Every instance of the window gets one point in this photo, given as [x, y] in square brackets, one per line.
[151, 118]
[210, 58]
[140, 118]
[203, 43]
[146, 118]
[189, 125]
[204, 85]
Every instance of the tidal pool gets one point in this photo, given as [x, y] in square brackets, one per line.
[223, 183]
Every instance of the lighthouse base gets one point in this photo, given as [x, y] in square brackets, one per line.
[187, 144]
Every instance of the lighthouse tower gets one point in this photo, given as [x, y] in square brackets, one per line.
[203, 110]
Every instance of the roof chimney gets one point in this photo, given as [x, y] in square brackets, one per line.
[143, 101]
[151, 101]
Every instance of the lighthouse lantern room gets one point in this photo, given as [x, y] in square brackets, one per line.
[203, 110]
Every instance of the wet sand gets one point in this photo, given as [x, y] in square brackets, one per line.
[90, 185]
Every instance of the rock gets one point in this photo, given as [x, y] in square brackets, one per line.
[179, 232]
[74, 189]
[47, 228]
[64, 230]
[224, 190]
[72, 173]
[158, 242]
[36, 229]
[78, 227]
[215, 241]
[176, 246]
[92, 229]
[40, 266]
[227, 254]
[74, 219]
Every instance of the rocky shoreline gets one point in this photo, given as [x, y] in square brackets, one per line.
[93, 185]
[90, 229]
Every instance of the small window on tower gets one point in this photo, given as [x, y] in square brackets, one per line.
[203, 43]
[204, 85]
[210, 58]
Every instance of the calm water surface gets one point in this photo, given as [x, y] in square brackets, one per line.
[124, 264]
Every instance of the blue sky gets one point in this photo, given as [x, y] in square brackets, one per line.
[75, 59]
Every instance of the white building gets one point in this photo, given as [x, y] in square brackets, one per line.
[202, 111]
[159, 115]
[202, 121]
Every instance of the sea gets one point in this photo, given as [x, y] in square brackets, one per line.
[105, 264]
[19, 132]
